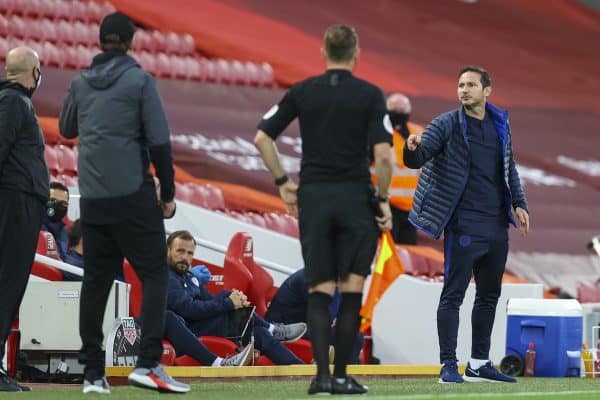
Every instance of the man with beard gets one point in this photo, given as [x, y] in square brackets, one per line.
[53, 219]
[468, 189]
[208, 315]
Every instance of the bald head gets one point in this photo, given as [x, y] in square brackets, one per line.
[399, 103]
[20, 63]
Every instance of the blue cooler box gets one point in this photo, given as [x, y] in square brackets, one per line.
[555, 326]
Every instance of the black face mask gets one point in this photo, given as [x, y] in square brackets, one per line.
[398, 118]
[56, 210]
[38, 81]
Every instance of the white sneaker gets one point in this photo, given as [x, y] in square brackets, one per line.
[99, 385]
[156, 378]
[240, 359]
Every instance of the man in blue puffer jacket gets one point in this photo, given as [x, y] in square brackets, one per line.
[468, 189]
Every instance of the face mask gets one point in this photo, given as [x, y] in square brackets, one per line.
[38, 82]
[398, 118]
[56, 210]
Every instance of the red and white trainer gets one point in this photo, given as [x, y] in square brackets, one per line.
[156, 378]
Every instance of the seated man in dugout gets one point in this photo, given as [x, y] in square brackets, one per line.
[208, 315]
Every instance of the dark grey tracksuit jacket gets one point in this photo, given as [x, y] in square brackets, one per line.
[115, 109]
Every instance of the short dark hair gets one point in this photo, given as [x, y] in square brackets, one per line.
[341, 42]
[183, 235]
[75, 233]
[117, 47]
[59, 186]
[485, 77]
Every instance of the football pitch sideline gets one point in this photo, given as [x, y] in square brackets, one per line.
[379, 388]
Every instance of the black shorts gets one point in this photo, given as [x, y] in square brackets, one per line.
[338, 231]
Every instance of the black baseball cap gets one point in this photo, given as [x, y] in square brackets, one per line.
[118, 24]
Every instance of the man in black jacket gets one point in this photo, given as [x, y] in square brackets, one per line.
[23, 187]
[115, 109]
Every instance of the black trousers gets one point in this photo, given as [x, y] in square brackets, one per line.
[140, 239]
[478, 251]
[20, 221]
[403, 231]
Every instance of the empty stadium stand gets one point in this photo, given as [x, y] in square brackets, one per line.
[65, 35]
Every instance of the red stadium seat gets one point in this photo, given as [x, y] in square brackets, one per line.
[142, 40]
[7, 7]
[224, 71]
[261, 289]
[70, 57]
[67, 159]
[46, 245]
[61, 9]
[17, 27]
[588, 292]
[240, 216]
[51, 157]
[183, 192]
[198, 195]
[187, 44]
[46, 271]
[302, 348]
[253, 74]
[3, 47]
[78, 11]
[159, 41]
[95, 12]
[168, 355]
[30, 8]
[214, 197]
[220, 346]
[239, 253]
[3, 29]
[193, 69]
[238, 73]
[80, 33]
[275, 222]
[266, 75]
[208, 70]
[178, 67]
[163, 65]
[146, 60]
[46, 28]
[290, 225]
[65, 33]
[256, 219]
[67, 180]
[50, 55]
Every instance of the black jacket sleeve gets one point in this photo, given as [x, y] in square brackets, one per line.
[11, 119]
[68, 116]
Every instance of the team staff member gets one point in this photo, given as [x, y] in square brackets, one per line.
[468, 189]
[115, 109]
[340, 117]
[404, 180]
[24, 188]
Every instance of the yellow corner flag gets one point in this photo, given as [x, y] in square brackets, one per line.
[387, 268]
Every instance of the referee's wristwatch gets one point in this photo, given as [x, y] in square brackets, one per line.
[282, 180]
[383, 199]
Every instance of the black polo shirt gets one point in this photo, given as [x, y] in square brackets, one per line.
[340, 118]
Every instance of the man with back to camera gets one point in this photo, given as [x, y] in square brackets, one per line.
[468, 189]
[115, 109]
[341, 118]
[24, 182]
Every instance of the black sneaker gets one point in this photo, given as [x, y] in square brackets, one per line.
[347, 385]
[320, 386]
[8, 384]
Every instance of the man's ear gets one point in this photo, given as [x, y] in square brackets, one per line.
[487, 91]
